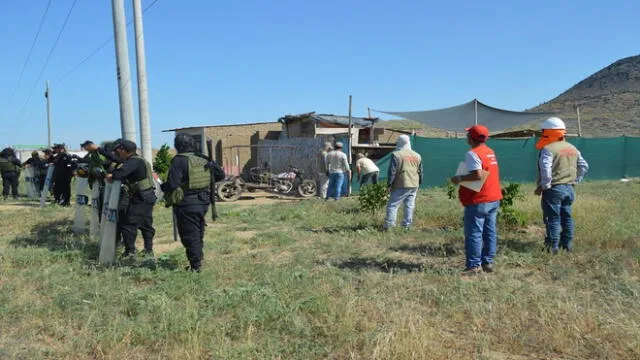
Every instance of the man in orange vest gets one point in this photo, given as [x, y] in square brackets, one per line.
[480, 208]
[560, 167]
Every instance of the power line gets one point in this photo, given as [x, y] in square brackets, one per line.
[97, 50]
[33, 44]
[46, 63]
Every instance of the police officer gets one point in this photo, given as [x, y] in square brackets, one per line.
[187, 190]
[97, 165]
[62, 175]
[10, 169]
[137, 176]
[39, 168]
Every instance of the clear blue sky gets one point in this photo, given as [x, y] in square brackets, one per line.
[224, 62]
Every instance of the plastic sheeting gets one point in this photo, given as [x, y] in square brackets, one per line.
[608, 158]
[458, 118]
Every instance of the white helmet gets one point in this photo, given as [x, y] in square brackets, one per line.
[553, 123]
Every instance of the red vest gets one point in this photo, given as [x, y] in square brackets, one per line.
[491, 190]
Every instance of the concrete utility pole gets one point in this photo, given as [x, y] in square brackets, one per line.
[123, 71]
[143, 94]
[350, 150]
[47, 94]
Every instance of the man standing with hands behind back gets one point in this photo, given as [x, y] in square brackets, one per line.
[560, 167]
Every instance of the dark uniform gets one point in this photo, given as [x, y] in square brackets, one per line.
[62, 175]
[98, 164]
[10, 169]
[188, 175]
[137, 178]
[39, 167]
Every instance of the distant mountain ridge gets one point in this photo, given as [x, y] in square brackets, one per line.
[609, 101]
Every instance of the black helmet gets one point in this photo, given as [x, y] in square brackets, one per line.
[184, 143]
[127, 145]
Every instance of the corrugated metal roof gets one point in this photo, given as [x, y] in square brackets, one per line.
[332, 119]
[214, 126]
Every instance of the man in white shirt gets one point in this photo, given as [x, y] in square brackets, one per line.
[367, 170]
[337, 168]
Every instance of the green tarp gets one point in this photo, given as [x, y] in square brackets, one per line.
[608, 158]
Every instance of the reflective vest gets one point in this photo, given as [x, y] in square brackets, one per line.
[407, 167]
[564, 169]
[144, 184]
[491, 190]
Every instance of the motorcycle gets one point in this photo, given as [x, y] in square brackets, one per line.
[262, 179]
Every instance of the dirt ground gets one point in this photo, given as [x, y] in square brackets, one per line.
[263, 197]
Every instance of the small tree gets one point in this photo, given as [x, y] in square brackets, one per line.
[373, 197]
[162, 162]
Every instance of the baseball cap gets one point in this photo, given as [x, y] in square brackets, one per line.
[339, 145]
[478, 132]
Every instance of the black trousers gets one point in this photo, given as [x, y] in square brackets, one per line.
[371, 177]
[191, 223]
[10, 182]
[139, 215]
[62, 190]
[41, 179]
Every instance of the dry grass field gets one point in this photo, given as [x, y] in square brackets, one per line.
[316, 280]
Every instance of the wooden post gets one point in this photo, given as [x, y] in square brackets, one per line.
[579, 125]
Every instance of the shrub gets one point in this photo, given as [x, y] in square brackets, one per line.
[373, 197]
[509, 215]
[162, 162]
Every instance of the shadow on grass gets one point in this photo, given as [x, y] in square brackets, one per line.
[349, 211]
[345, 228]
[520, 246]
[435, 250]
[383, 265]
[58, 236]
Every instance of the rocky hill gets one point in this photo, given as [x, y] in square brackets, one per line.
[609, 101]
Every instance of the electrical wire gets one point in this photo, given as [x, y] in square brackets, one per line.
[97, 50]
[33, 45]
[46, 63]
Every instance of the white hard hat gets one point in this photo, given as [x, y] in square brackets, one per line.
[553, 123]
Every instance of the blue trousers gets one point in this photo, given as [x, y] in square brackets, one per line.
[556, 209]
[480, 234]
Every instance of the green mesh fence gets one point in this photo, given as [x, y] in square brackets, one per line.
[608, 158]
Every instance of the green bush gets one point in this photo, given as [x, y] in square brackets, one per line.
[509, 215]
[162, 162]
[373, 197]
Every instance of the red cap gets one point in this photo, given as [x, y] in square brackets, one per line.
[478, 132]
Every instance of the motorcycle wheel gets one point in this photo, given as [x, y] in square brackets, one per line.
[228, 191]
[284, 186]
[307, 188]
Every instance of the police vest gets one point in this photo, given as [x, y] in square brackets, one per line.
[199, 179]
[144, 184]
[491, 190]
[7, 166]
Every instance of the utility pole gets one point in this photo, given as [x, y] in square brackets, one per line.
[350, 157]
[127, 126]
[47, 94]
[143, 94]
